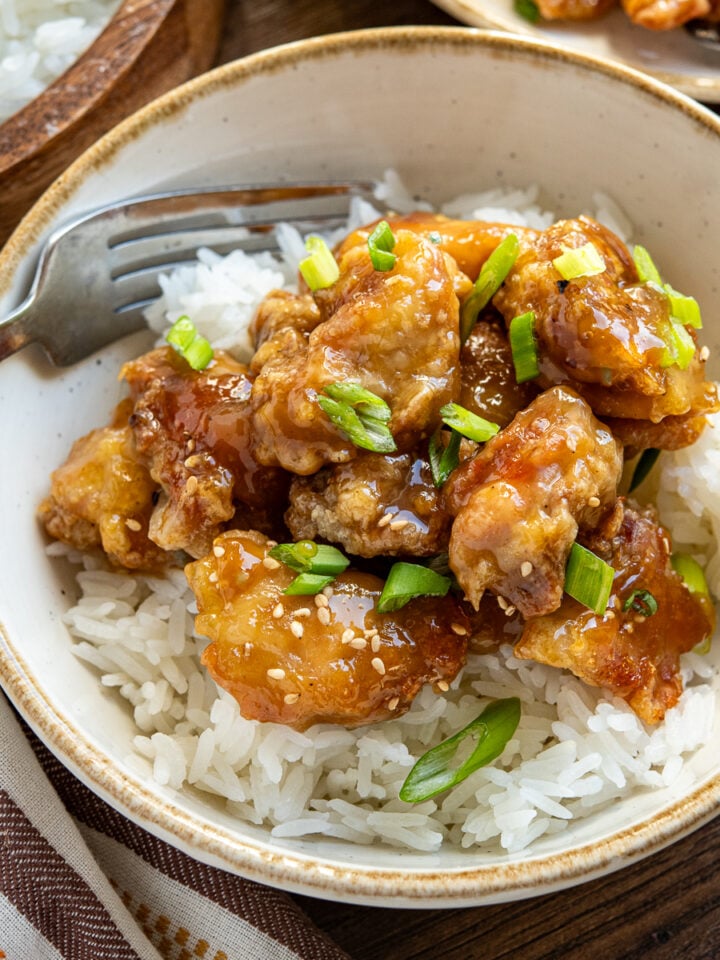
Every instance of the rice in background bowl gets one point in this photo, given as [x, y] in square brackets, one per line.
[244, 110]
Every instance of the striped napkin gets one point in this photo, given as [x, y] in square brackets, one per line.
[80, 882]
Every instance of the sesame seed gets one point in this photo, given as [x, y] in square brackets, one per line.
[593, 501]
[328, 591]
[248, 648]
[359, 643]
[377, 664]
[323, 616]
[190, 445]
[276, 673]
[639, 618]
[630, 628]
[278, 611]
[297, 629]
[372, 632]
[458, 629]
[666, 544]
[303, 612]
[213, 578]
[398, 524]
[133, 525]
[392, 704]
[375, 644]
[270, 544]
[443, 685]
[321, 600]
[704, 352]
[609, 614]
[526, 568]
[348, 635]
[509, 611]
[191, 485]
[385, 520]
[193, 461]
[218, 550]
[270, 563]
[502, 603]
[291, 697]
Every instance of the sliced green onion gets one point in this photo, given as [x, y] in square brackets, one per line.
[306, 584]
[684, 309]
[380, 244]
[588, 578]
[524, 347]
[691, 572]
[367, 432]
[324, 559]
[645, 266]
[584, 261]
[358, 397]
[320, 268]
[407, 581]
[433, 773]
[528, 10]
[193, 347]
[680, 346]
[641, 601]
[491, 277]
[469, 424]
[643, 467]
[443, 460]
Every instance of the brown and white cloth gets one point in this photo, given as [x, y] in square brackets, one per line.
[78, 881]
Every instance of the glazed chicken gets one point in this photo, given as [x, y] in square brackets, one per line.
[519, 503]
[304, 660]
[630, 650]
[210, 464]
[666, 14]
[192, 430]
[395, 333]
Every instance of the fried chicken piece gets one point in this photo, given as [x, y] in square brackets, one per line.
[347, 504]
[193, 430]
[519, 503]
[634, 656]
[489, 387]
[102, 496]
[574, 9]
[665, 14]
[394, 332]
[287, 660]
[604, 334]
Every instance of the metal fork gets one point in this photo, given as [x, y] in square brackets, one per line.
[98, 273]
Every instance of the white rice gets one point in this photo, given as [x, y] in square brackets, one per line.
[576, 750]
[39, 40]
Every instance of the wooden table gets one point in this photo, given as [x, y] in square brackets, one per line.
[666, 907]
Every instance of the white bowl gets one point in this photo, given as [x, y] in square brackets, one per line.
[453, 110]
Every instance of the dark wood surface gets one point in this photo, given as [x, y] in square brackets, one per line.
[666, 907]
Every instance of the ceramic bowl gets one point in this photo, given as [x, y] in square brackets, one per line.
[452, 110]
[145, 49]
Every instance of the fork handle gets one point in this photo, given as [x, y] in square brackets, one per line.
[15, 330]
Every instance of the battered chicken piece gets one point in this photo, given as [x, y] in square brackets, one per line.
[574, 9]
[520, 502]
[604, 334]
[394, 332]
[489, 387]
[193, 430]
[102, 496]
[348, 504]
[289, 660]
[635, 656]
[665, 14]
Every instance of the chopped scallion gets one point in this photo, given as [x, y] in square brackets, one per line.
[434, 773]
[407, 581]
[691, 572]
[360, 414]
[588, 578]
[380, 245]
[524, 347]
[584, 261]
[320, 268]
[528, 10]
[641, 601]
[680, 346]
[469, 424]
[643, 467]
[191, 345]
[684, 309]
[491, 277]
[306, 584]
[306, 556]
[645, 266]
[443, 460]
